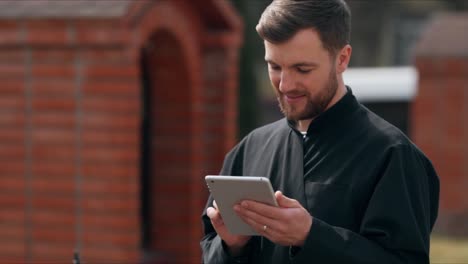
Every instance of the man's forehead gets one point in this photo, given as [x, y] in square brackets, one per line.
[293, 58]
[305, 45]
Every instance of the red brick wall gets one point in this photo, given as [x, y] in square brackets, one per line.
[68, 154]
[439, 127]
[70, 116]
[110, 154]
[12, 155]
[440, 114]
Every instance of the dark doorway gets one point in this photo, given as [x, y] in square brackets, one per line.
[145, 147]
[165, 150]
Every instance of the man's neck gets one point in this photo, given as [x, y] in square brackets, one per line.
[303, 125]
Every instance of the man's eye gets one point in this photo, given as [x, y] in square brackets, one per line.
[303, 70]
[274, 67]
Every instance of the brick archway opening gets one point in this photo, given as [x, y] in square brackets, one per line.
[166, 141]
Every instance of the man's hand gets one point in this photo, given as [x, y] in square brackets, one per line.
[287, 225]
[235, 242]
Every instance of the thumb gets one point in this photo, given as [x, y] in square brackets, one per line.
[284, 201]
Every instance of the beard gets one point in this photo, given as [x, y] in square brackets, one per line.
[314, 105]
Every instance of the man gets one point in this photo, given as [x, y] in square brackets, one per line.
[351, 187]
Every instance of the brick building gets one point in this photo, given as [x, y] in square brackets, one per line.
[440, 114]
[111, 113]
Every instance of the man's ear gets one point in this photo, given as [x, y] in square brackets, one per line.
[342, 58]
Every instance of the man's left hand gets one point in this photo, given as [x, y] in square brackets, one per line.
[287, 225]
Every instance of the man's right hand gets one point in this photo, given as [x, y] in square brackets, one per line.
[236, 243]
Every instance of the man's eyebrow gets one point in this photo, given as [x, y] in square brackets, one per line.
[298, 64]
[306, 64]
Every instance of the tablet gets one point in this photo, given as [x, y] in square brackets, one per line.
[230, 190]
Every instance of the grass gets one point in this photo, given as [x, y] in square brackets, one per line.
[447, 250]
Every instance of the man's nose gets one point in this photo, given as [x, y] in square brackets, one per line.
[286, 83]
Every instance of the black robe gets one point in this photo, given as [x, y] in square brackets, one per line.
[373, 194]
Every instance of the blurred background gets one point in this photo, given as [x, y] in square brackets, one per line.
[112, 111]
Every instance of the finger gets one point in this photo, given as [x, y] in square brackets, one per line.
[269, 211]
[284, 201]
[251, 222]
[263, 229]
[268, 231]
[215, 205]
[258, 218]
[271, 234]
[214, 216]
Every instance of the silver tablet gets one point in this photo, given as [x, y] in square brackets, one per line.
[230, 190]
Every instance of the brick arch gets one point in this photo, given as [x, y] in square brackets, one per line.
[209, 56]
[168, 43]
[180, 20]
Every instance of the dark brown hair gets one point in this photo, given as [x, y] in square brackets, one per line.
[284, 18]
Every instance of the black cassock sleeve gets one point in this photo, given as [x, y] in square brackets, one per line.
[213, 248]
[397, 222]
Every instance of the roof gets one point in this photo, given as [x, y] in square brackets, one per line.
[446, 35]
[63, 8]
[216, 14]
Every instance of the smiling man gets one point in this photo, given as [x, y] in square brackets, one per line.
[351, 187]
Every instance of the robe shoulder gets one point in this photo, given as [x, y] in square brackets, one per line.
[252, 148]
[271, 134]
[382, 134]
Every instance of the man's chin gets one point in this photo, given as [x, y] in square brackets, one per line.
[298, 116]
[293, 116]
